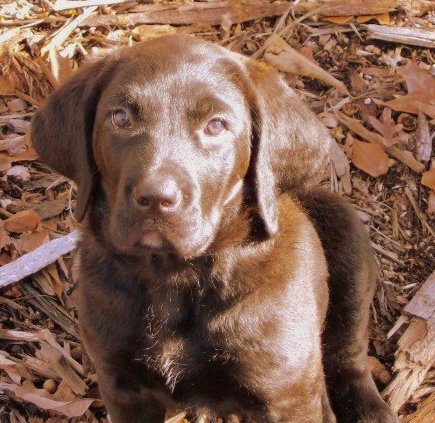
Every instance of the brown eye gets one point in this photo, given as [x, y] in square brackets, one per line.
[215, 127]
[120, 119]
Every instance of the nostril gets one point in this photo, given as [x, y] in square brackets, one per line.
[143, 201]
[167, 203]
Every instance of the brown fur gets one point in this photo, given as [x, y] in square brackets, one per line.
[204, 260]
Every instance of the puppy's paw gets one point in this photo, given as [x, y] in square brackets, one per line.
[360, 402]
[378, 413]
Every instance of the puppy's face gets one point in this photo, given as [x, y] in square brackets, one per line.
[172, 145]
[165, 138]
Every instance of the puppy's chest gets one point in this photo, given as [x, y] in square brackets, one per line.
[178, 346]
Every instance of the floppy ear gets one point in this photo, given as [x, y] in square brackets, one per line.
[289, 144]
[62, 128]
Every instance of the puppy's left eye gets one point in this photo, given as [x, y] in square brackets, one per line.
[215, 127]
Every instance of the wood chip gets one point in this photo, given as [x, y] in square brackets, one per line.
[416, 352]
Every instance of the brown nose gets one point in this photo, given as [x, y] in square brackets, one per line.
[158, 195]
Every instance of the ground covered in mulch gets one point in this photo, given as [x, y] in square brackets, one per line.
[377, 97]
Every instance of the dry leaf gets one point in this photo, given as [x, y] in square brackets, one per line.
[431, 202]
[58, 363]
[428, 179]
[417, 80]
[16, 105]
[23, 221]
[307, 52]
[357, 82]
[42, 399]
[287, 59]
[339, 20]
[341, 166]
[34, 240]
[5, 162]
[383, 19]
[13, 145]
[48, 209]
[387, 127]
[370, 158]
[421, 91]
[6, 86]
[28, 155]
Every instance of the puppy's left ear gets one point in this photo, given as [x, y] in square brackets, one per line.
[289, 144]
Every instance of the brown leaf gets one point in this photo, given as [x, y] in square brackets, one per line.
[42, 399]
[370, 158]
[23, 221]
[421, 91]
[339, 20]
[5, 162]
[411, 103]
[6, 86]
[357, 82]
[383, 19]
[431, 202]
[287, 59]
[417, 80]
[428, 179]
[387, 127]
[48, 209]
[34, 240]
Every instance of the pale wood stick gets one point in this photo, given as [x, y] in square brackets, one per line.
[67, 29]
[411, 36]
[37, 259]
[211, 14]
[349, 8]
[60, 5]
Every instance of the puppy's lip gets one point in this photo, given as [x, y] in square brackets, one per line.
[152, 239]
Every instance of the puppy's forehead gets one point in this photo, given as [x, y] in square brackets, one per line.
[170, 62]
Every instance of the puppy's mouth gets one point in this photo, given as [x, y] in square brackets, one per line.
[153, 239]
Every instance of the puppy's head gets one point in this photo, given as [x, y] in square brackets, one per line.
[172, 133]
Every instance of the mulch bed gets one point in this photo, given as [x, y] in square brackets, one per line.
[366, 68]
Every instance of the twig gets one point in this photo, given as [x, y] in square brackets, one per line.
[51, 309]
[349, 8]
[67, 29]
[210, 14]
[37, 259]
[388, 254]
[67, 4]
[418, 212]
[411, 36]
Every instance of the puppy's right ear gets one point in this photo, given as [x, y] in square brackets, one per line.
[62, 129]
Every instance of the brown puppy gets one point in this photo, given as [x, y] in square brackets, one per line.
[203, 282]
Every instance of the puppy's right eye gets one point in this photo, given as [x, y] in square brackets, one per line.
[120, 119]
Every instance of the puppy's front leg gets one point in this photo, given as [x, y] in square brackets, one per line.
[305, 402]
[126, 404]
